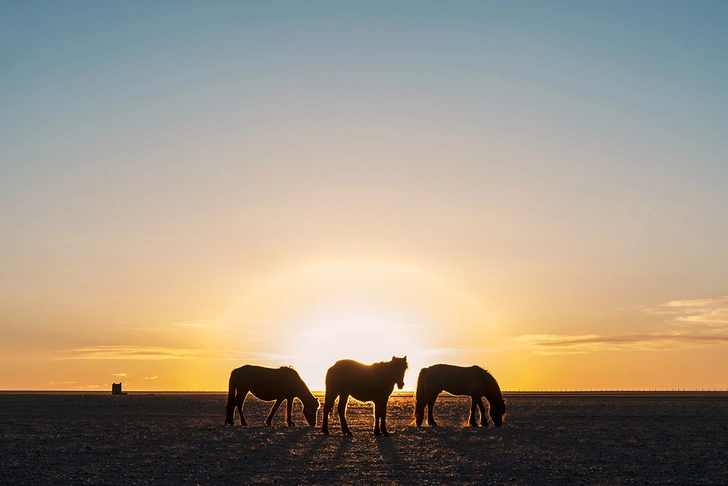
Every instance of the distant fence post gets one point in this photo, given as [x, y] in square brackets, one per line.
[116, 388]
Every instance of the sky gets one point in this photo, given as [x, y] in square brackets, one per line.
[535, 187]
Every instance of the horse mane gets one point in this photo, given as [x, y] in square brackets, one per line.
[391, 361]
[493, 391]
[488, 376]
[290, 371]
[387, 367]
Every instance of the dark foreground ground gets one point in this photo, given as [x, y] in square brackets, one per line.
[675, 438]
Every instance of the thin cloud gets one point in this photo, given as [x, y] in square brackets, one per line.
[131, 352]
[569, 344]
[563, 344]
[452, 351]
[711, 312]
[156, 353]
[694, 323]
[709, 302]
[120, 375]
[239, 327]
[231, 326]
[149, 377]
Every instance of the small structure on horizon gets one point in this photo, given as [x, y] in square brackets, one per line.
[116, 389]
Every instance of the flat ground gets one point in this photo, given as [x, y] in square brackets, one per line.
[675, 438]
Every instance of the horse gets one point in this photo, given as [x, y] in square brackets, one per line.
[366, 383]
[472, 381]
[269, 384]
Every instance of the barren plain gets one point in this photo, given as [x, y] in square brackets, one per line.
[180, 438]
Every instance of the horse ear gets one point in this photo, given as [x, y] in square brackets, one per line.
[393, 358]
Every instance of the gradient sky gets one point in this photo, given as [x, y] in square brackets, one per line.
[540, 188]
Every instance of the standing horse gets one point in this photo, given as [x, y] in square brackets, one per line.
[472, 381]
[366, 383]
[269, 384]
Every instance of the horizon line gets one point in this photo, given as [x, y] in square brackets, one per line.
[401, 392]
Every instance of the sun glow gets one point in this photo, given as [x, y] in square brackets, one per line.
[364, 310]
[355, 334]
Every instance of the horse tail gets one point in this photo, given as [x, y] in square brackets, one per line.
[421, 396]
[230, 407]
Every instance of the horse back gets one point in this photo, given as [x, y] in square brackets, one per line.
[266, 383]
[456, 380]
[361, 381]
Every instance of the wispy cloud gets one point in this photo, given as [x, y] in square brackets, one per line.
[155, 353]
[130, 352]
[555, 344]
[121, 375]
[75, 385]
[573, 344]
[247, 327]
[709, 302]
[149, 377]
[687, 324]
[453, 351]
[711, 312]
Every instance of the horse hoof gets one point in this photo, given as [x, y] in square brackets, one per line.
[376, 432]
[325, 432]
[385, 434]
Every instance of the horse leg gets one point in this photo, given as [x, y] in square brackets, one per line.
[328, 406]
[343, 400]
[483, 416]
[289, 409]
[473, 420]
[240, 403]
[420, 405]
[380, 415]
[377, 418]
[273, 411]
[430, 405]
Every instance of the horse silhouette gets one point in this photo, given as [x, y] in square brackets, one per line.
[269, 384]
[472, 381]
[366, 383]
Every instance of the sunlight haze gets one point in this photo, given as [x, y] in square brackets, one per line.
[538, 188]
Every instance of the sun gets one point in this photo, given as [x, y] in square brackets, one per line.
[360, 334]
[365, 310]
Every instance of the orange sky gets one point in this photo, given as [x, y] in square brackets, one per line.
[540, 191]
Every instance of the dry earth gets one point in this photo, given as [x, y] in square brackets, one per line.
[674, 438]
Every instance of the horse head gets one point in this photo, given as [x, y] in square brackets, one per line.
[493, 394]
[310, 407]
[497, 411]
[400, 367]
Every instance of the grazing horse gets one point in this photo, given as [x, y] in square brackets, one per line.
[269, 384]
[366, 383]
[472, 381]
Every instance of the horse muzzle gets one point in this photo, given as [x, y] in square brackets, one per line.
[400, 385]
